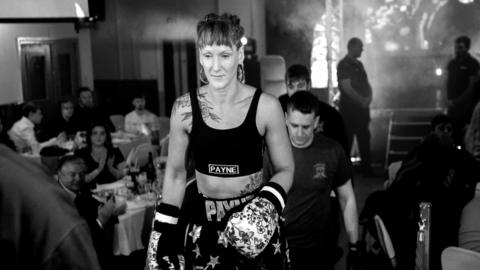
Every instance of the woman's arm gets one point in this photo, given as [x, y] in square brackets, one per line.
[93, 174]
[116, 163]
[175, 172]
[278, 143]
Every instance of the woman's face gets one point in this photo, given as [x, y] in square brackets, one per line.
[98, 136]
[220, 64]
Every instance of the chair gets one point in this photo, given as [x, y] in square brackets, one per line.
[141, 153]
[126, 148]
[406, 128]
[456, 258]
[272, 69]
[385, 241]
[118, 121]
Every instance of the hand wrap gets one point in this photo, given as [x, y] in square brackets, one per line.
[251, 229]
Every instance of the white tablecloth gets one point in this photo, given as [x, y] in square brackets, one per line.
[131, 227]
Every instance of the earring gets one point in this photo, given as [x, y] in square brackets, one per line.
[203, 77]
[241, 73]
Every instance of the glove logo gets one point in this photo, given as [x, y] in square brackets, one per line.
[223, 169]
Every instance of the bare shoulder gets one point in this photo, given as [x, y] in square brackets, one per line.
[269, 112]
[269, 104]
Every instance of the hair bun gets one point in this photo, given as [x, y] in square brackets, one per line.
[224, 29]
[232, 19]
[225, 17]
[211, 17]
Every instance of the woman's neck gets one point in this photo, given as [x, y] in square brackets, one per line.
[226, 95]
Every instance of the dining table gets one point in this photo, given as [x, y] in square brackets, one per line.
[132, 231]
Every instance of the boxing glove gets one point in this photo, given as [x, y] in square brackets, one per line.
[161, 253]
[251, 229]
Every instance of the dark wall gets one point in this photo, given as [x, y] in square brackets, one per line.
[116, 96]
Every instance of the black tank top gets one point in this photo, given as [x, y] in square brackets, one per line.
[226, 152]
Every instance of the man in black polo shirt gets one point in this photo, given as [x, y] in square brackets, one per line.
[355, 99]
[462, 72]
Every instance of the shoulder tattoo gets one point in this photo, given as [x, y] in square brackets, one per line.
[183, 102]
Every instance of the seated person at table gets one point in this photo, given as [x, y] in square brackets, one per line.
[65, 121]
[434, 171]
[23, 135]
[104, 162]
[86, 113]
[140, 120]
[99, 216]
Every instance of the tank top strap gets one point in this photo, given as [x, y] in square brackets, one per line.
[252, 111]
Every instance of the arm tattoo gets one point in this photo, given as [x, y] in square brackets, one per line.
[181, 102]
[256, 181]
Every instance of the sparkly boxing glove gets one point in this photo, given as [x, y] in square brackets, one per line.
[251, 229]
[161, 253]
